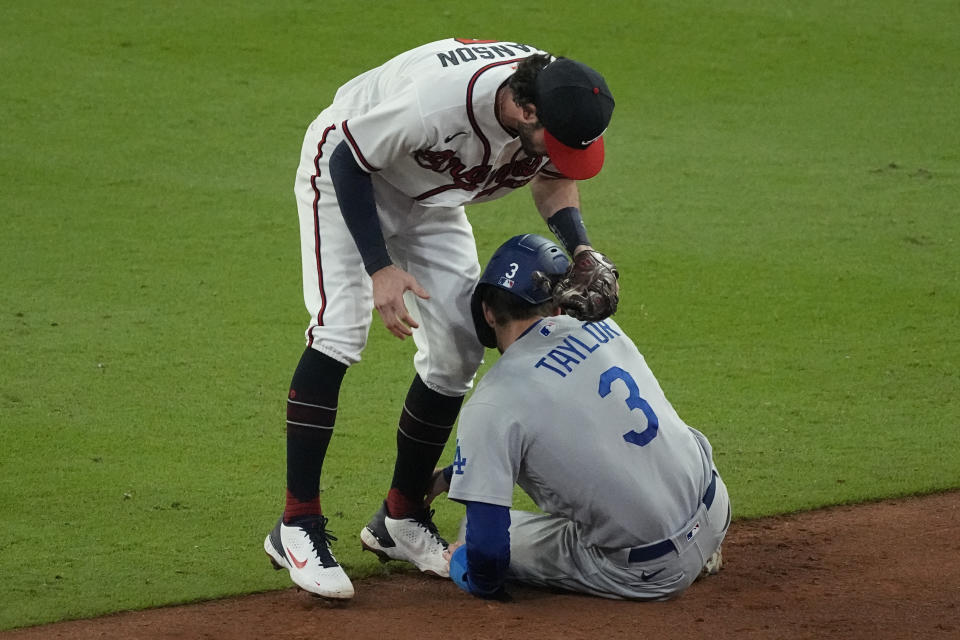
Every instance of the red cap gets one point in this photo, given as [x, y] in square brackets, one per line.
[576, 164]
[574, 105]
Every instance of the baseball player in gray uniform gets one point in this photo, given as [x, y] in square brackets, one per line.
[384, 174]
[632, 503]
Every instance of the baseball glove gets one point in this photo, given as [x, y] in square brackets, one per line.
[589, 290]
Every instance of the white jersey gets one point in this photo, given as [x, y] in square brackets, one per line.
[425, 123]
[572, 414]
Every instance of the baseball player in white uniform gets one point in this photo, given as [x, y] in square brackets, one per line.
[384, 175]
[632, 503]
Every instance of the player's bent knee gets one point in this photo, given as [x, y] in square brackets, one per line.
[449, 383]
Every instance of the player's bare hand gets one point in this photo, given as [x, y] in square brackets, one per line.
[438, 485]
[449, 551]
[389, 285]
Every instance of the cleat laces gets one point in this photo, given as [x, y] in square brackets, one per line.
[320, 538]
[425, 520]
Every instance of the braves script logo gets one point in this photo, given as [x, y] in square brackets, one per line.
[516, 173]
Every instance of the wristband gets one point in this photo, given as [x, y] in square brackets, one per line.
[458, 568]
[461, 578]
[568, 226]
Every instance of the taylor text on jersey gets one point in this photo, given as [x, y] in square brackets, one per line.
[574, 350]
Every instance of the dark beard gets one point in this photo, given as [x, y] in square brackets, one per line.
[524, 132]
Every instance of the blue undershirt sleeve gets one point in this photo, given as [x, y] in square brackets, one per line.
[354, 190]
[480, 566]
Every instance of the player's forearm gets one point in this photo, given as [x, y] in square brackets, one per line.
[355, 195]
[480, 566]
[558, 202]
[552, 194]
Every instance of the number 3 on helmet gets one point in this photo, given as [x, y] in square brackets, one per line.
[511, 268]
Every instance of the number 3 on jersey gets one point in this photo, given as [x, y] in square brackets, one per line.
[634, 401]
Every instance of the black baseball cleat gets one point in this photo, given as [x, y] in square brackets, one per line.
[414, 539]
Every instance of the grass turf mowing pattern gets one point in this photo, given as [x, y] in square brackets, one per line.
[779, 196]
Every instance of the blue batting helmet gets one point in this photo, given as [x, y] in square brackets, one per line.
[511, 268]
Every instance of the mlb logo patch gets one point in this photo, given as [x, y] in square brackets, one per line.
[694, 531]
[547, 327]
[505, 282]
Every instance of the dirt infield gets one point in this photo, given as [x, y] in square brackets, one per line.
[885, 570]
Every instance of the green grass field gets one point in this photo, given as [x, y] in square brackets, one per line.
[781, 195]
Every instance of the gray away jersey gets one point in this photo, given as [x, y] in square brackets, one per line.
[572, 414]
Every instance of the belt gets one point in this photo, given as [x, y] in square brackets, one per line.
[654, 551]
